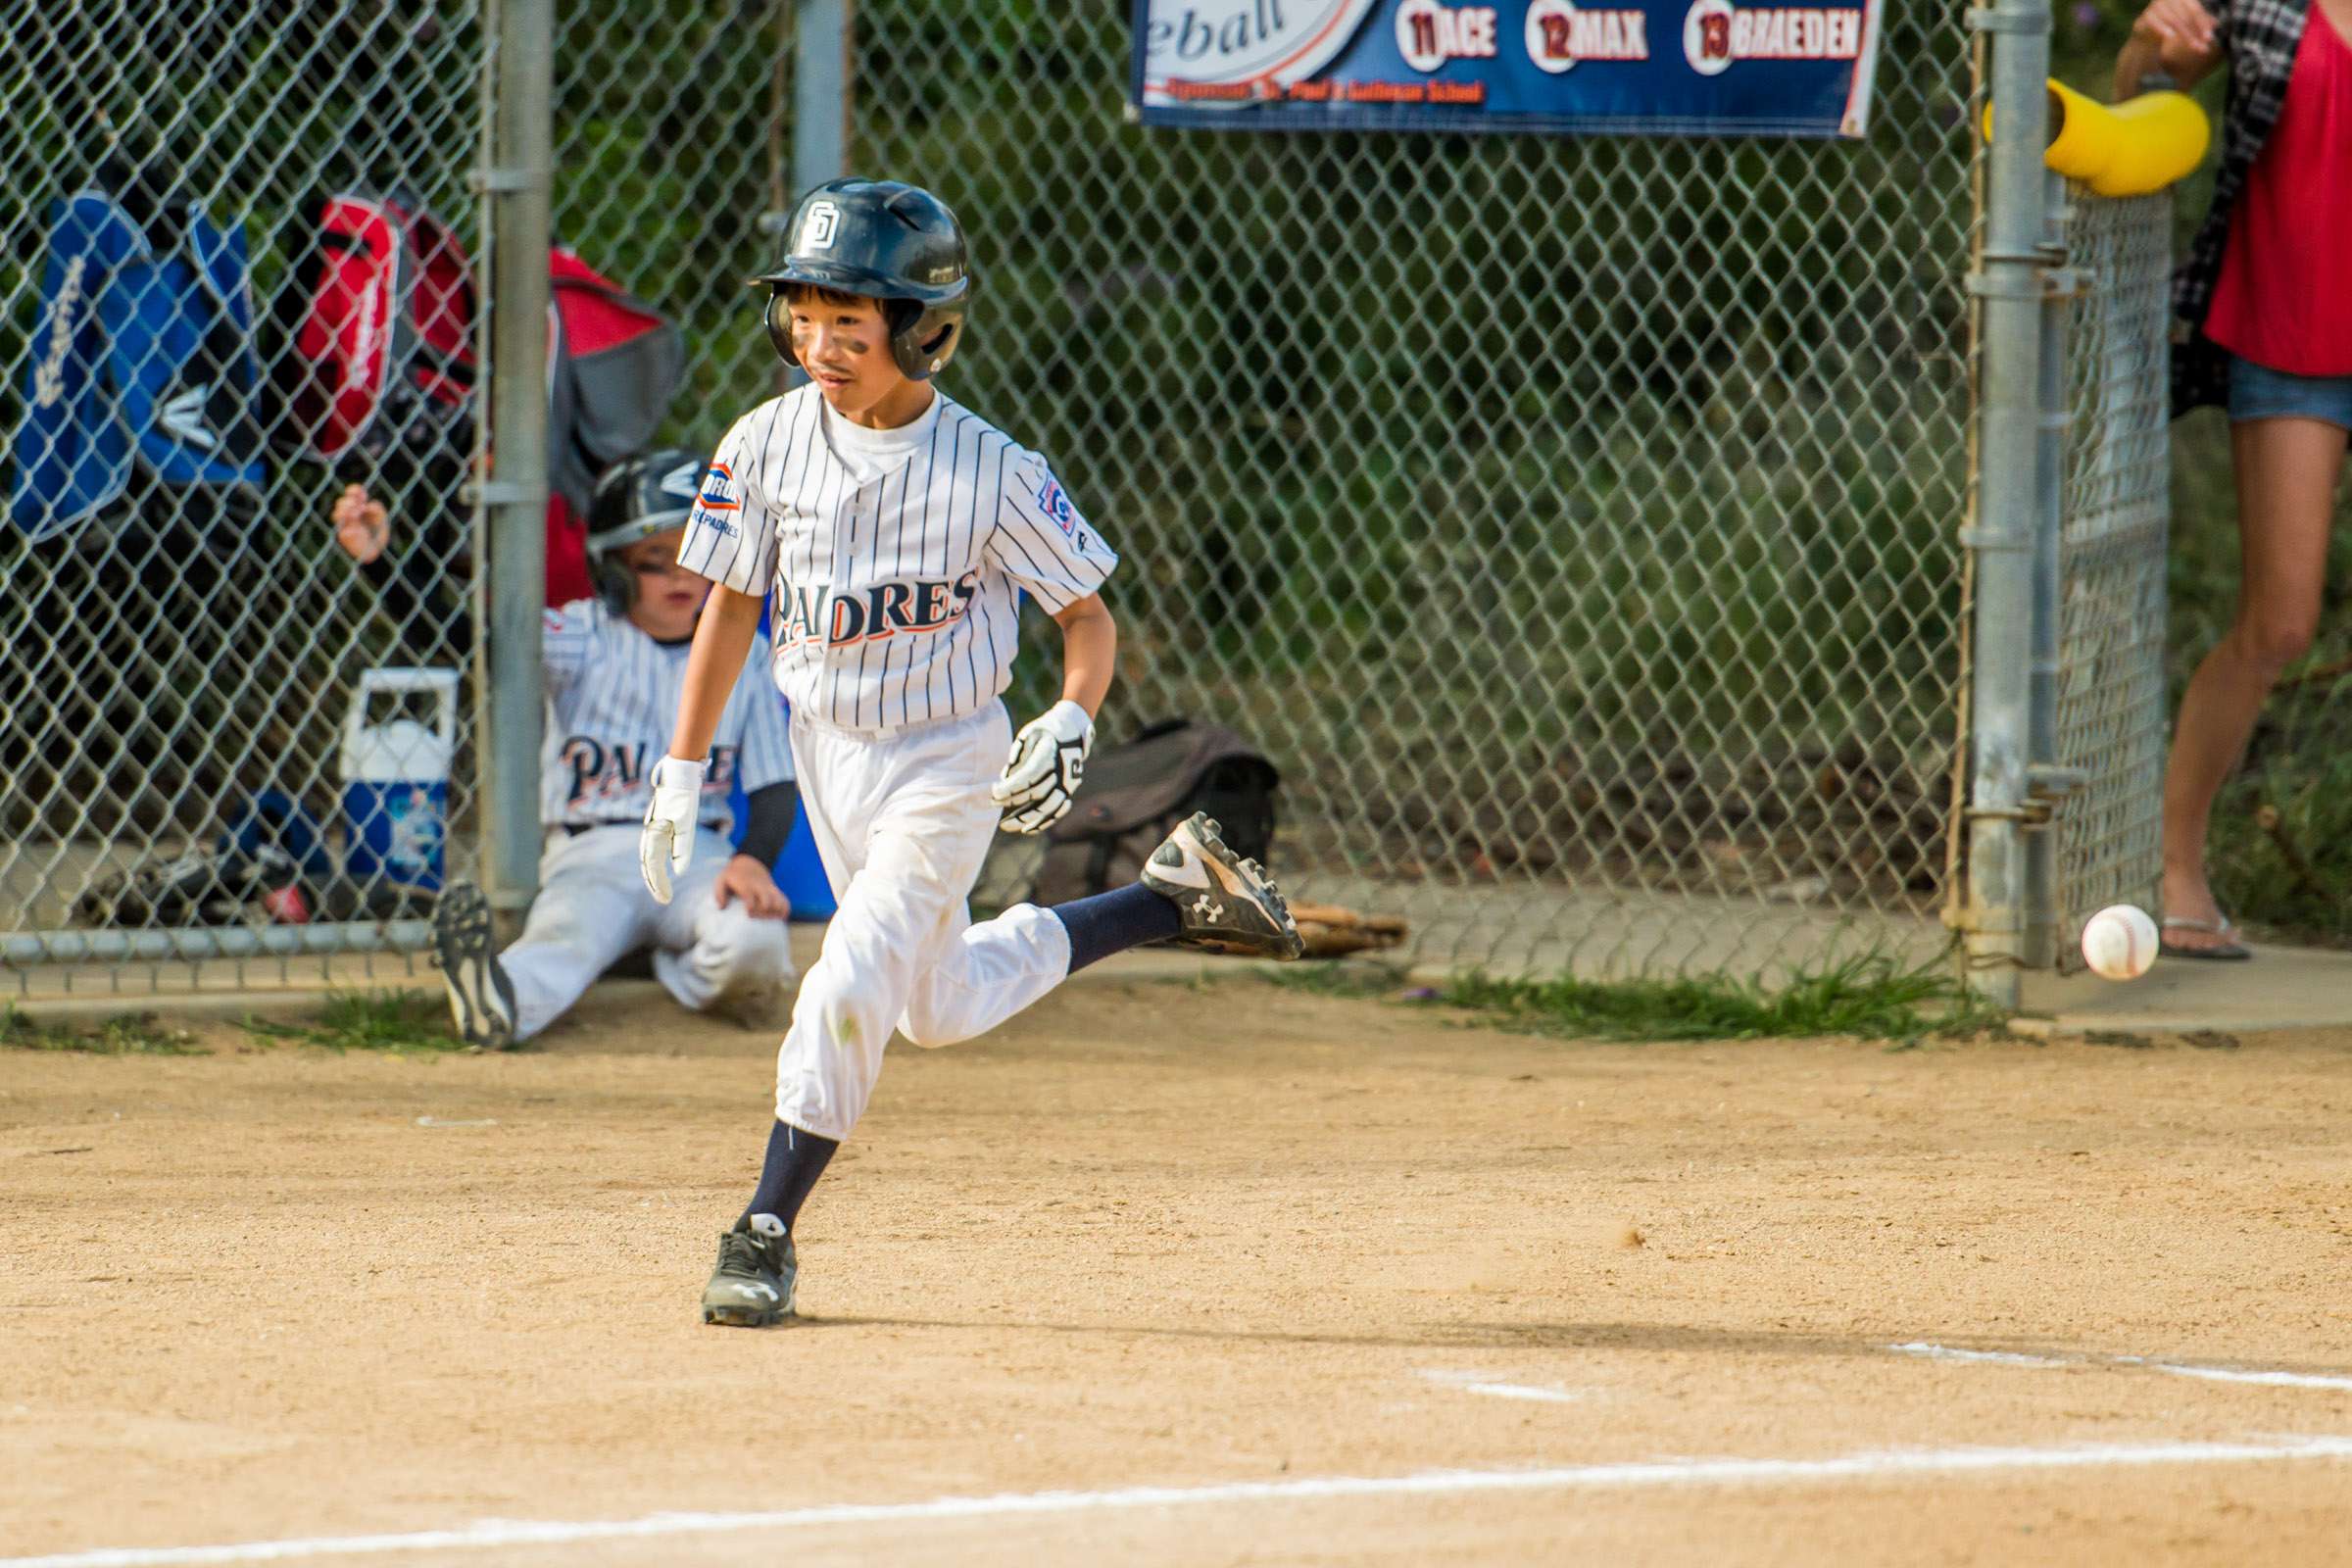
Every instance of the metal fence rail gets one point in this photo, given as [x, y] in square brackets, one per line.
[1575, 520]
[2112, 718]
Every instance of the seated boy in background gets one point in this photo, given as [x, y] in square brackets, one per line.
[615, 665]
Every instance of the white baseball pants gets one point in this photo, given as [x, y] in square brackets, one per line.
[903, 821]
[593, 909]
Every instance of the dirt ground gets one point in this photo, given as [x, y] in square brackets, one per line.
[1354, 1283]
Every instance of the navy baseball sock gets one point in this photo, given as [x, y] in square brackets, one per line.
[794, 1160]
[1114, 921]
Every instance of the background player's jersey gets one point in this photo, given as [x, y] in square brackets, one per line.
[897, 557]
[612, 705]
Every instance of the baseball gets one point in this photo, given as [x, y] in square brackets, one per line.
[2119, 941]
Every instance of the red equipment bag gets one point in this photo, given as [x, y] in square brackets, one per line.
[614, 365]
[378, 327]
[377, 348]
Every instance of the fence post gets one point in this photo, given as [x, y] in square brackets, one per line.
[820, 108]
[2044, 918]
[820, 118]
[514, 500]
[2009, 281]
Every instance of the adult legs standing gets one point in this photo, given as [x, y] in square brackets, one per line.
[2286, 473]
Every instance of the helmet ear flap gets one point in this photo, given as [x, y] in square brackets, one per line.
[924, 337]
[779, 329]
[615, 584]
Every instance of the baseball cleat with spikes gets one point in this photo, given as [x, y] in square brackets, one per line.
[1226, 903]
[751, 1286]
[481, 999]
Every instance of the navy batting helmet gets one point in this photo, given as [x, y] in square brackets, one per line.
[881, 240]
[648, 493]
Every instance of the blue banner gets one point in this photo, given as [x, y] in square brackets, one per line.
[1707, 68]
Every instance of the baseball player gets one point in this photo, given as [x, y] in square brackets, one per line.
[615, 664]
[899, 531]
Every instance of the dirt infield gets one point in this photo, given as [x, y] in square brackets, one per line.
[1350, 1283]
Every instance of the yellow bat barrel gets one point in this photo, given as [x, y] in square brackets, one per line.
[2128, 149]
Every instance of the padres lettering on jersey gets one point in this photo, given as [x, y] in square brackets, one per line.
[612, 705]
[897, 562]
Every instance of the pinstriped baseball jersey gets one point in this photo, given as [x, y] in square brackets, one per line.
[897, 557]
[613, 703]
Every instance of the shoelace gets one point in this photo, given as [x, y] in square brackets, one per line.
[740, 1254]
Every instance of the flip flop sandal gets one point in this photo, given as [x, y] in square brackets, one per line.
[2232, 950]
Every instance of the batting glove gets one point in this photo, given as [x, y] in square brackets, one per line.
[1048, 758]
[667, 847]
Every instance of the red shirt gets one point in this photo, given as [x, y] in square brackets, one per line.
[568, 575]
[2285, 299]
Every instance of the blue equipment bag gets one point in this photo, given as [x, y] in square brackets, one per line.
[142, 359]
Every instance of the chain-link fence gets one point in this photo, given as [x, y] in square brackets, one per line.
[245, 280]
[185, 638]
[1576, 520]
[2111, 711]
[670, 144]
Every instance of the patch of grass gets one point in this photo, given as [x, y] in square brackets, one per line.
[375, 1021]
[1866, 998]
[1355, 980]
[129, 1034]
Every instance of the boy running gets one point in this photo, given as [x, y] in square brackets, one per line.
[898, 531]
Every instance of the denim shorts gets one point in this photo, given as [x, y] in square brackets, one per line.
[2258, 392]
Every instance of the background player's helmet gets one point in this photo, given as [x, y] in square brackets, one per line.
[884, 241]
[636, 498]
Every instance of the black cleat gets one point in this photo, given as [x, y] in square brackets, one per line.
[481, 999]
[1227, 903]
[751, 1286]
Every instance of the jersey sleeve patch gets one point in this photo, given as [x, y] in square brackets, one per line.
[730, 534]
[1055, 503]
[718, 504]
[1043, 541]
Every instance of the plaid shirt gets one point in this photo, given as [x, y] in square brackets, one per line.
[2260, 38]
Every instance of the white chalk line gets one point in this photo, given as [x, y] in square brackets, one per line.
[1867, 1465]
[2227, 1374]
[1495, 1388]
[2179, 1369]
[1946, 1352]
